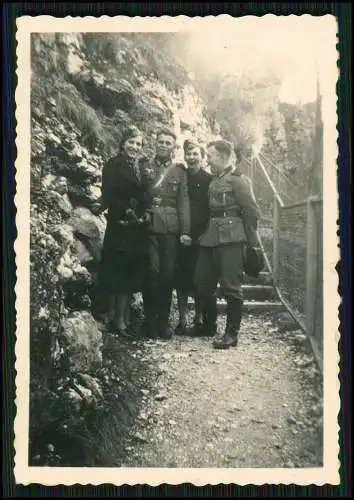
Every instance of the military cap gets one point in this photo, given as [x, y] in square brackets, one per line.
[222, 146]
[166, 131]
[191, 144]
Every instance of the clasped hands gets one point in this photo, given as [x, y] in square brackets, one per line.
[185, 240]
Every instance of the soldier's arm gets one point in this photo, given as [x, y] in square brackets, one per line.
[242, 188]
[183, 207]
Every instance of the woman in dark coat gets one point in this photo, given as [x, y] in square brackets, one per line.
[124, 249]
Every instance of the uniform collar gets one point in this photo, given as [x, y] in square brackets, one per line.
[227, 170]
[194, 173]
[162, 164]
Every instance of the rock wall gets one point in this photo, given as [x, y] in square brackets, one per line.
[85, 89]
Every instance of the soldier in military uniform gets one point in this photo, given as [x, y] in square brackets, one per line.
[198, 183]
[170, 224]
[234, 213]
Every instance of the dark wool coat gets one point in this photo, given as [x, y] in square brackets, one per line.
[198, 185]
[121, 191]
[124, 251]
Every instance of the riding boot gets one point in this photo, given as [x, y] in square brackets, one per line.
[150, 327]
[230, 337]
[208, 328]
[163, 316]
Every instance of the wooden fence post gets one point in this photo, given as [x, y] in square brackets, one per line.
[311, 266]
[276, 239]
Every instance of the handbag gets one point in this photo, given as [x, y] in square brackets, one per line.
[254, 261]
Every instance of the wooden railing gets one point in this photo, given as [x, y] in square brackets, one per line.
[309, 283]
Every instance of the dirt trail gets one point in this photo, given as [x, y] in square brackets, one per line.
[256, 405]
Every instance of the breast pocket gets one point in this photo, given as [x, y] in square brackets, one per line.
[230, 231]
[222, 196]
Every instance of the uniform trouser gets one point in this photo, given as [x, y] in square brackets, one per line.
[222, 264]
[160, 277]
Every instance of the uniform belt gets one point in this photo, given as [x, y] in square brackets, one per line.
[227, 212]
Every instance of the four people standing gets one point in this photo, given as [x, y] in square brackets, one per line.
[169, 226]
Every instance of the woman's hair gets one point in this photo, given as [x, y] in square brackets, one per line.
[166, 131]
[128, 133]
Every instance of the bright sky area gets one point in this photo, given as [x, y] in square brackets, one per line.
[295, 46]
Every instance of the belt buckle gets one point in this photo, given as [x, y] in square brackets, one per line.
[156, 201]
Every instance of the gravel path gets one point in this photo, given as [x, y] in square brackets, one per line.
[256, 405]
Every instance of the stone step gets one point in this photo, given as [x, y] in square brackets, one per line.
[250, 306]
[264, 278]
[259, 292]
[255, 306]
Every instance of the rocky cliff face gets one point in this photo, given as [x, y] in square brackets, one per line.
[85, 89]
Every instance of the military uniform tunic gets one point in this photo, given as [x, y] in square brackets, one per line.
[170, 217]
[233, 216]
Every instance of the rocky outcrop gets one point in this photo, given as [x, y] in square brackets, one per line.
[83, 342]
[85, 90]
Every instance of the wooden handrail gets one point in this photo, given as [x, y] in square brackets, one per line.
[279, 171]
[314, 199]
[311, 250]
[303, 203]
[270, 182]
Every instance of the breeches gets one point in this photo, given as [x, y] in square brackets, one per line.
[162, 252]
[222, 264]
[162, 259]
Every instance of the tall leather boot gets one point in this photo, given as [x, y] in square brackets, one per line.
[150, 327]
[208, 328]
[230, 337]
[163, 316]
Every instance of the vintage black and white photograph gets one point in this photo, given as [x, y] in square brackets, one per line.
[176, 216]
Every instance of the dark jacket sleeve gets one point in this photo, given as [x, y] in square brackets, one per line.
[183, 205]
[115, 196]
[107, 187]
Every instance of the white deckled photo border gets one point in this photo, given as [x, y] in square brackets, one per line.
[24, 474]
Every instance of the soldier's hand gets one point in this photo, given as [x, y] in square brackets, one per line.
[185, 240]
[147, 218]
[180, 163]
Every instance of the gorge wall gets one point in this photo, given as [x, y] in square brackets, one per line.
[85, 88]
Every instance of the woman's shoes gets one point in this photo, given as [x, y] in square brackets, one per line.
[119, 332]
[111, 326]
[124, 333]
